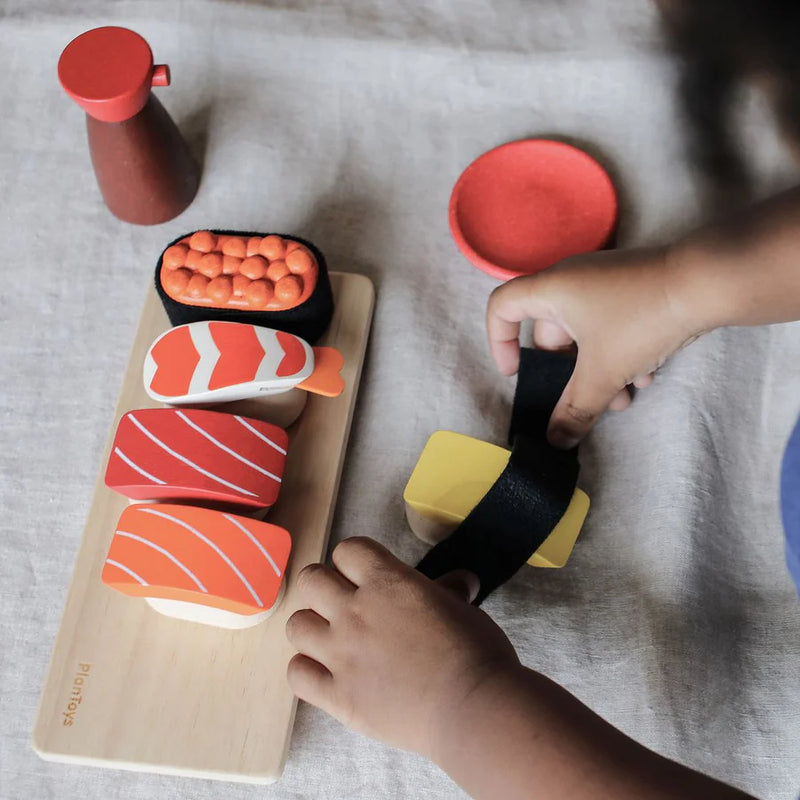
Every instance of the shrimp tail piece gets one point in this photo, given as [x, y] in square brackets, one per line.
[326, 378]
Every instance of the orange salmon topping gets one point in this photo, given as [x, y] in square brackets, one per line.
[197, 555]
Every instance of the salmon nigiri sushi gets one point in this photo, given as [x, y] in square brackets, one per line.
[204, 456]
[199, 565]
[218, 362]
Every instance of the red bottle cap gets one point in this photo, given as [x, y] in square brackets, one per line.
[109, 72]
[526, 205]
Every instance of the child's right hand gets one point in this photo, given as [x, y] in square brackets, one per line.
[627, 313]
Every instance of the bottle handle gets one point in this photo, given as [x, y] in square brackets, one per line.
[161, 76]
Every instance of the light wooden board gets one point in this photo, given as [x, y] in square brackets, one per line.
[156, 694]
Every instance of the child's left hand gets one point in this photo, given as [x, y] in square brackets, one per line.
[408, 661]
[388, 652]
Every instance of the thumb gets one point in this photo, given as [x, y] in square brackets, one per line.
[584, 399]
[461, 582]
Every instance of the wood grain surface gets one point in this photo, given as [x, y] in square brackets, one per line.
[130, 688]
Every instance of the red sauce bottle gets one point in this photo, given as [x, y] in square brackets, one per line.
[143, 166]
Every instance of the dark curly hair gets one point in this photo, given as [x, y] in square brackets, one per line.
[719, 43]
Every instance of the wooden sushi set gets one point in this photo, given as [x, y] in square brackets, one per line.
[221, 472]
[171, 655]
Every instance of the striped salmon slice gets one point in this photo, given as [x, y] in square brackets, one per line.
[205, 456]
[195, 555]
[224, 361]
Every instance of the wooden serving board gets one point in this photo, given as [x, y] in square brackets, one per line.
[130, 688]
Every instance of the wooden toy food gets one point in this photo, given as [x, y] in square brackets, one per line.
[525, 205]
[529, 498]
[198, 565]
[261, 279]
[154, 684]
[452, 475]
[203, 456]
[216, 362]
[143, 165]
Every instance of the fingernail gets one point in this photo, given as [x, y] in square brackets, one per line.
[561, 439]
[462, 582]
[473, 585]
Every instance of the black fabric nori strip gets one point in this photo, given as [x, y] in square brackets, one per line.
[308, 320]
[531, 495]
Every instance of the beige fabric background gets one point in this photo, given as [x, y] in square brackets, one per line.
[348, 122]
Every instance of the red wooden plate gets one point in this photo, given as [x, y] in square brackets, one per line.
[526, 205]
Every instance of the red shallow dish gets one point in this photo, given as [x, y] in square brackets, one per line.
[525, 205]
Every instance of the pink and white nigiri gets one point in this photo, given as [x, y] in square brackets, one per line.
[217, 362]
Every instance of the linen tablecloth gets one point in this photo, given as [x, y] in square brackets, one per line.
[348, 123]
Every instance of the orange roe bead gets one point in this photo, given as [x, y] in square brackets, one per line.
[253, 245]
[203, 241]
[175, 256]
[288, 290]
[230, 265]
[220, 289]
[291, 244]
[211, 265]
[254, 267]
[193, 259]
[299, 261]
[277, 269]
[259, 293]
[235, 246]
[272, 247]
[197, 286]
[175, 281]
[240, 284]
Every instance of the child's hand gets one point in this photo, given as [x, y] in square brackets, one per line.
[623, 309]
[408, 661]
[386, 651]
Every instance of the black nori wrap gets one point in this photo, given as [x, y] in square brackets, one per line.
[531, 495]
[309, 320]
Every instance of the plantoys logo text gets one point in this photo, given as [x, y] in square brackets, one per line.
[76, 696]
